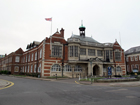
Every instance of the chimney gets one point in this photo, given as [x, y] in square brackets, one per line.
[62, 32]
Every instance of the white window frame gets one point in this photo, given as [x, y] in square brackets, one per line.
[132, 58]
[23, 69]
[32, 56]
[28, 68]
[128, 70]
[77, 68]
[16, 67]
[56, 68]
[26, 58]
[35, 68]
[127, 59]
[17, 59]
[31, 68]
[39, 68]
[41, 53]
[136, 58]
[29, 58]
[35, 55]
[67, 68]
[118, 70]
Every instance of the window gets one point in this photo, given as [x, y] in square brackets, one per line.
[39, 68]
[55, 67]
[35, 55]
[139, 57]
[67, 68]
[41, 53]
[132, 58]
[28, 69]
[118, 69]
[26, 58]
[31, 68]
[23, 69]
[10, 59]
[132, 67]
[77, 68]
[29, 58]
[99, 53]
[82, 51]
[91, 52]
[56, 51]
[104, 69]
[32, 56]
[73, 51]
[136, 58]
[17, 59]
[137, 66]
[35, 68]
[111, 54]
[128, 70]
[16, 69]
[107, 55]
[127, 59]
[117, 56]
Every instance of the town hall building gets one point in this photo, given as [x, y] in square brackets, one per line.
[79, 55]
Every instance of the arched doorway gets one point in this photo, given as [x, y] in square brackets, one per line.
[96, 70]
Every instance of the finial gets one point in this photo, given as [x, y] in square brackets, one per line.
[57, 29]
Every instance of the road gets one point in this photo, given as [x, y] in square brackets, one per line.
[65, 92]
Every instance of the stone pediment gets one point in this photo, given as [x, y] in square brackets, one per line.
[95, 59]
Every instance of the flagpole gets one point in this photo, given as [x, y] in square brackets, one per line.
[51, 26]
[51, 36]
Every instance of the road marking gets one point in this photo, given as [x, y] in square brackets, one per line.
[77, 83]
[11, 84]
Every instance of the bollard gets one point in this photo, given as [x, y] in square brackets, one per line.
[79, 77]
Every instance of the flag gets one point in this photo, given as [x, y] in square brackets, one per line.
[48, 19]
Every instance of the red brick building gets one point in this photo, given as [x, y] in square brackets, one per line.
[79, 55]
[132, 57]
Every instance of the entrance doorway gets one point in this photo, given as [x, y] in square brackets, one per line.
[96, 70]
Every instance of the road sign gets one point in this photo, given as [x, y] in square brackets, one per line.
[109, 71]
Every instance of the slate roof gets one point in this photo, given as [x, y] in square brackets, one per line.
[133, 50]
[86, 39]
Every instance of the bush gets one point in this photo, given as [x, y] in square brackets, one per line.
[117, 76]
[33, 74]
[5, 72]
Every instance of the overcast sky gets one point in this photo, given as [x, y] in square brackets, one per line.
[23, 21]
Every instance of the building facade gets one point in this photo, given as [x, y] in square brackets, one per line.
[132, 57]
[79, 55]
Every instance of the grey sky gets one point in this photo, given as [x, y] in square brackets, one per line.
[23, 21]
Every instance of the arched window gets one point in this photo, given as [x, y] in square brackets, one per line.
[118, 69]
[67, 68]
[77, 68]
[16, 69]
[55, 67]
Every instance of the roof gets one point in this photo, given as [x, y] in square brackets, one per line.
[133, 50]
[86, 39]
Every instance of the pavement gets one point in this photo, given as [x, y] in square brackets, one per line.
[4, 83]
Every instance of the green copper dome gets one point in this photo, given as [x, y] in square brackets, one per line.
[82, 26]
